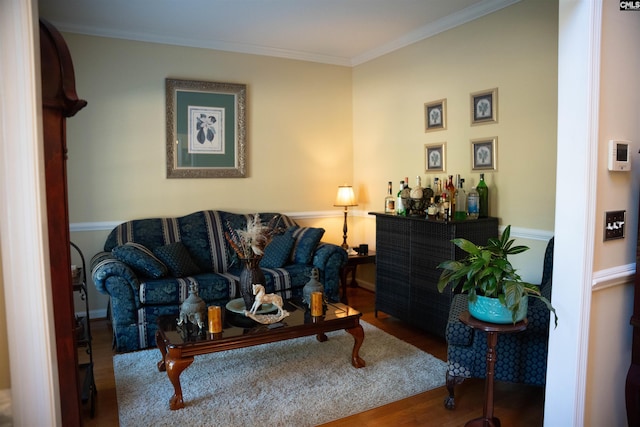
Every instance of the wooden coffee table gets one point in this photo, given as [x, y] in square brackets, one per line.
[179, 345]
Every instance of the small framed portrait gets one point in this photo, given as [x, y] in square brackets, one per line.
[435, 115]
[483, 153]
[434, 157]
[484, 107]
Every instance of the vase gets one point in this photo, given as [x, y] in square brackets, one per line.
[313, 285]
[250, 275]
[493, 311]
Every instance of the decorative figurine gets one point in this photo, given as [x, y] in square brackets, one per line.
[263, 298]
[193, 308]
[313, 285]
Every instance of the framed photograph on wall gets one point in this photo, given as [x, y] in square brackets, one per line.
[206, 129]
[434, 157]
[435, 115]
[483, 153]
[484, 107]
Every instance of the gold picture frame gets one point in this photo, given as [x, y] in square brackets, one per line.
[484, 153]
[435, 115]
[484, 107]
[435, 157]
[206, 129]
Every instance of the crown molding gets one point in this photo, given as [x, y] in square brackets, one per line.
[456, 19]
[210, 44]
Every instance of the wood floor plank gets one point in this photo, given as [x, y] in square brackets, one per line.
[515, 404]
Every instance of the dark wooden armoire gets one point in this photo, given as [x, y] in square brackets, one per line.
[632, 389]
[59, 101]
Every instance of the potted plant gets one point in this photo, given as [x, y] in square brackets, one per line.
[491, 282]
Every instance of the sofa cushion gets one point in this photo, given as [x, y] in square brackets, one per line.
[212, 287]
[306, 240]
[177, 257]
[140, 259]
[277, 252]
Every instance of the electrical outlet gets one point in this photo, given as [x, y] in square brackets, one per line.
[614, 225]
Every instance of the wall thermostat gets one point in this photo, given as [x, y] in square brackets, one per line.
[619, 156]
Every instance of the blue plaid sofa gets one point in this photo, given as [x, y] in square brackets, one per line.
[148, 265]
[521, 357]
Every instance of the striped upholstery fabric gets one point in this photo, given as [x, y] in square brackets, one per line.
[136, 301]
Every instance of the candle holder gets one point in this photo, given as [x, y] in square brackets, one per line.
[214, 315]
[316, 304]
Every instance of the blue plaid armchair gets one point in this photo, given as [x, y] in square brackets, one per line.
[521, 357]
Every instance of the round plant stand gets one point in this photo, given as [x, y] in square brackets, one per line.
[492, 330]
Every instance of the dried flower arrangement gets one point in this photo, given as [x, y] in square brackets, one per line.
[250, 242]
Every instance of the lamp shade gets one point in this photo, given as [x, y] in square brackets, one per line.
[345, 196]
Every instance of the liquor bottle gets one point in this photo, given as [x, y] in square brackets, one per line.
[400, 209]
[473, 204]
[389, 201]
[432, 210]
[483, 193]
[445, 207]
[428, 192]
[460, 213]
[451, 193]
[406, 190]
[437, 190]
[417, 192]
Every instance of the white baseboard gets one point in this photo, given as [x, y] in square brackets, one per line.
[367, 285]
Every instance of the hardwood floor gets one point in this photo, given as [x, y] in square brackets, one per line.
[515, 404]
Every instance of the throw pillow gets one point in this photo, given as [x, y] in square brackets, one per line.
[277, 251]
[177, 257]
[306, 240]
[140, 259]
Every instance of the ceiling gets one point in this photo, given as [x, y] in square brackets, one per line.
[342, 32]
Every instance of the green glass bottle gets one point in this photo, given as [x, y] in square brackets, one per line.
[483, 192]
[400, 207]
[460, 214]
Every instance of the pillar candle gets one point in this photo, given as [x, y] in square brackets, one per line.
[316, 303]
[215, 319]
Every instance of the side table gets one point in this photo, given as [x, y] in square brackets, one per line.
[492, 330]
[353, 261]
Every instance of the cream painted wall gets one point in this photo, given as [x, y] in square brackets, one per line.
[515, 50]
[298, 131]
[299, 136]
[609, 356]
[611, 308]
[619, 107]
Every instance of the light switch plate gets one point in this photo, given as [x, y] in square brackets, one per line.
[614, 225]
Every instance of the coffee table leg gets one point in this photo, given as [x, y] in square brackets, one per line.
[174, 369]
[163, 350]
[358, 336]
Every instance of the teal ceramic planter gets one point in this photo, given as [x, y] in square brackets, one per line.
[493, 311]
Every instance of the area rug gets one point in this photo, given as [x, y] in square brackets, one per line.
[300, 382]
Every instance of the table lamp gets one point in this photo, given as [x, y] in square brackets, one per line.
[345, 198]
